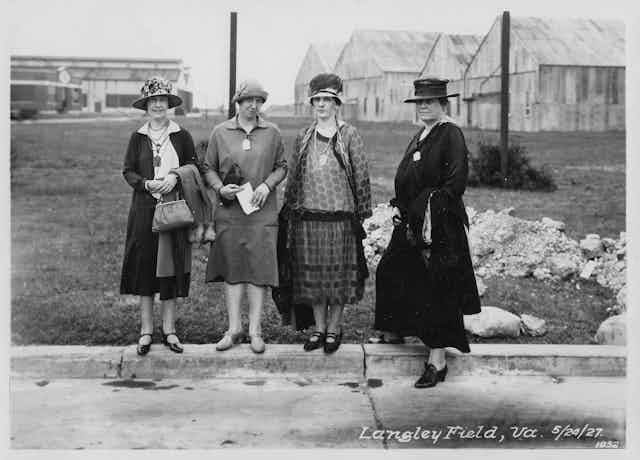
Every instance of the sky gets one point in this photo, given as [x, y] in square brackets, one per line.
[273, 36]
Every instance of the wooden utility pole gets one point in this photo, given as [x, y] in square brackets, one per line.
[233, 43]
[504, 95]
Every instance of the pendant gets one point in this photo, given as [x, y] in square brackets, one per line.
[322, 161]
[246, 144]
[157, 160]
[416, 155]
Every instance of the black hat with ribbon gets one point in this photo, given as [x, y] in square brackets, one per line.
[326, 85]
[430, 88]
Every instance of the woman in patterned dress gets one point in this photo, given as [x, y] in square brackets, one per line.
[326, 200]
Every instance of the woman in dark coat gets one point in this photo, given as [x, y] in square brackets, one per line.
[156, 262]
[425, 281]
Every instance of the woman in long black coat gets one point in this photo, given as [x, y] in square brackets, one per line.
[156, 263]
[425, 281]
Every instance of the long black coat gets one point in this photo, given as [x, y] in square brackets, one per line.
[141, 246]
[416, 295]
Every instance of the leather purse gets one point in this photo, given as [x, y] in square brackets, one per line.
[170, 215]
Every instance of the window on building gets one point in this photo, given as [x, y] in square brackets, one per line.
[120, 100]
[527, 104]
[364, 106]
[457, 106]
[377, 106]
[614, 86]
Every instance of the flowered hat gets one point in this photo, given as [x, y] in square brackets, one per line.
[250, 88]
[157, 86]
[430, 88]
[326, 85]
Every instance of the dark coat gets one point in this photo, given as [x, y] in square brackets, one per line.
[141, 246]
[420, 296]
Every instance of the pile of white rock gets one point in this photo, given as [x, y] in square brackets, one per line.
[504, 245]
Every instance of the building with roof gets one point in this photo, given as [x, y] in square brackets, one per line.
[319, 58]
[449, 58]
[565, 75]
[378, 68]
[100, 84]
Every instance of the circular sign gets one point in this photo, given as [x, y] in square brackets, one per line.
[64, 77]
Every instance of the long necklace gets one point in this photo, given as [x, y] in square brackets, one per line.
[323, 156]
[157, 142]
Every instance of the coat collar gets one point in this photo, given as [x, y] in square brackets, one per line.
[173, 128]
[232, 123]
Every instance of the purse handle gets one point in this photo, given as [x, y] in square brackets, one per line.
[178, 190]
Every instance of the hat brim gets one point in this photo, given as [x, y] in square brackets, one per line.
[261, 95]
[174, 101]
[426, 98]
[337, 98]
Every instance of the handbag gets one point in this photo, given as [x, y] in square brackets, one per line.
[233, 176]
[170, 215]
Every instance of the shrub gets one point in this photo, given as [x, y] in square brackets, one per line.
[521, 175]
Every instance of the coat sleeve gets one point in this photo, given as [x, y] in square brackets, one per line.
[130, 171]
[292, 165]
[279, 166]
[361, 180]
[455, 171]
[211, 163]
[189, 149]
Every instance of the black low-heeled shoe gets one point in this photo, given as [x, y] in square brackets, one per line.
[175, 347]
[314, 344]
[431, 376]
[144, 349]
[331, 347]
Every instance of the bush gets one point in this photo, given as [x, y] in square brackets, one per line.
[485, 170]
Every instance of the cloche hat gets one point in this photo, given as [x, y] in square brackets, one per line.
[430, 88]
[157, 86]
[250, 88]
[326, 85]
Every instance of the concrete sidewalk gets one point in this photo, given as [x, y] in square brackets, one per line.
[551, 396]
[378, 413]
[351, 360]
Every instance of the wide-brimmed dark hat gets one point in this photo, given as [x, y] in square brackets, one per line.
[430, 88]
[326, 85]
[157, 86]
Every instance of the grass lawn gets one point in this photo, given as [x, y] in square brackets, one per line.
[69, 206]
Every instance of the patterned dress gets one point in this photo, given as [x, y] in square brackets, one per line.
[325, 268]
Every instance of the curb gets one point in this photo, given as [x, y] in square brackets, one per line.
[351, 361]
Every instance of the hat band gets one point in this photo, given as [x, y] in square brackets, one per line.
[331, 91]
[432, 92]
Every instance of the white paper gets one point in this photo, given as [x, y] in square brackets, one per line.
[244, 198]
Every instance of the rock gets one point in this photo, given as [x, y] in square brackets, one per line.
[493, 322]
[482, 288]
[508, 211]
[555, 224]
[541, 273]
[562, 266]
[591, 246]
[504, 235]
[621, 254]
[471, 213]
[621, 297]
[533, 326]
[608, 244]
[612, 331]
[588, 269]
[519, 272]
